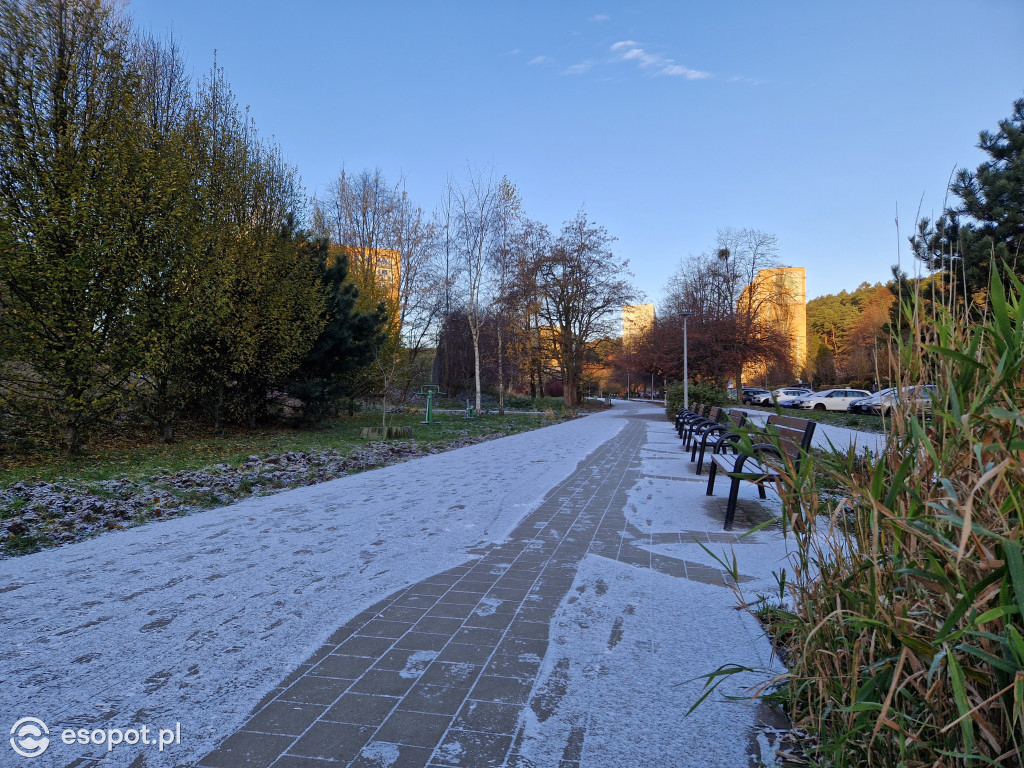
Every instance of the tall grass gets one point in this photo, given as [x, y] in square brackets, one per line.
[902, 622]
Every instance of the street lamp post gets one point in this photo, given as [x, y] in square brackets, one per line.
[686, 365]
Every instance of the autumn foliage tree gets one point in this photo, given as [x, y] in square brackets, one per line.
[843, 332]
[731, 321]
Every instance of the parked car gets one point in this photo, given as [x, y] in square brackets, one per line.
[788, 401]
[917, 396]
[830, 399]
[783, 392]
[749, 393]
[864, 404]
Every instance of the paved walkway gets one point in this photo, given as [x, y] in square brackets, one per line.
[499, 660]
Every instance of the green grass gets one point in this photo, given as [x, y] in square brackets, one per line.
[136, 458]
[12, 508]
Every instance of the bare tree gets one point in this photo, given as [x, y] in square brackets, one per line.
[582, 290]
[735, 299]
[507, 241]
[392, 249]
[474, 205]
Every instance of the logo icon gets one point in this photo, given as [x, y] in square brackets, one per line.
[30, 737]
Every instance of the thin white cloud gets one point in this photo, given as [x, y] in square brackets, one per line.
[537, 60]
[746, 80]
[655, 63]
[513, 52]
[600, 17]
[578, 69]
[678, 70]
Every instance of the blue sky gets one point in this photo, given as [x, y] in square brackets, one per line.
[665, 121]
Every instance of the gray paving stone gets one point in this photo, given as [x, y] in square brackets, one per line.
[247, 750]
[332, 741]
[504, 690]
[361, 709]
[488, 717]
[287, 718]
[471, 749]
[409, 614]
[289, 761]
[437, 699]
[474, 654]
[378, 754]
[416, 729]
[338, 665]
[360, 645]
[522, 667]
[384, 628]
[382, 682]
[450, 610]
[451, 675]
[422, 641]
[311, 689]
[478, 636]
[493, 621]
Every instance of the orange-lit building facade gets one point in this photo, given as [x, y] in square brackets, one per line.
[778, 297]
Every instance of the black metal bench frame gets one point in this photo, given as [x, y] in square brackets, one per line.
[786, 439]
[697, 428]
[737, 420]
[685, 416]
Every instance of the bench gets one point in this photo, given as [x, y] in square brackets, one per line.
[774, 454]
[697, 428]
[685, 417]
[736, 421]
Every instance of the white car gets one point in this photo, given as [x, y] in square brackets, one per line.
[830, 399]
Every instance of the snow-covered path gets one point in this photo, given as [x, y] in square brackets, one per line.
[192, 620]
[196, 620]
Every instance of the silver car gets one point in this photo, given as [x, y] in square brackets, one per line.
[918, 396]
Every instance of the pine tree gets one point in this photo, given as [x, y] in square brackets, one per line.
[986, 229]
[346, 342]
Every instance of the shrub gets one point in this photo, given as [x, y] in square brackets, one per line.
[705, 392]
[903, 624]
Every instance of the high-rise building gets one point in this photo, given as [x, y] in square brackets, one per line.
[637, 319]
[778, 297]
[375, 269]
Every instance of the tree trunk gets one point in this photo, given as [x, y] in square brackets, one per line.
[217, 408]
[501, 377]
[72, 440]
[164, 412]
[570, 385]
[475, 331]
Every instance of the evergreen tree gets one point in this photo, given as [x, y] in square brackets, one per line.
[986, 228]
[347, 340]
